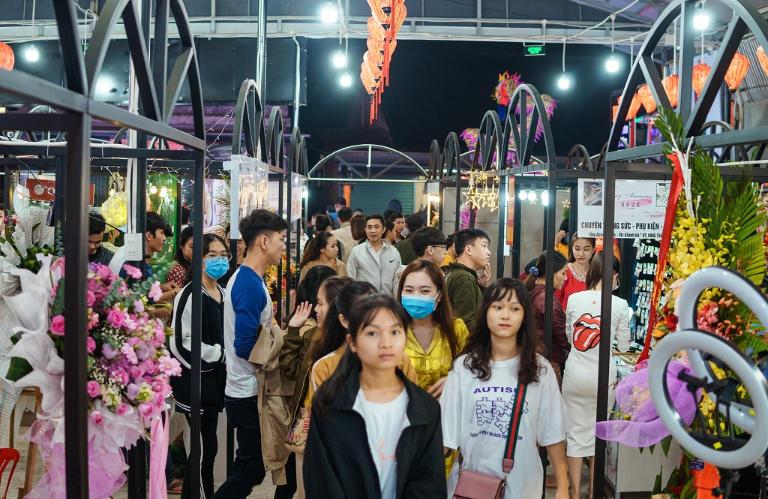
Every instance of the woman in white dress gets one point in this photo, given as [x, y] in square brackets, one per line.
[580, 377]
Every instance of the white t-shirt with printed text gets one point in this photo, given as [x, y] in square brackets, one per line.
[475, 419]
[384, 422]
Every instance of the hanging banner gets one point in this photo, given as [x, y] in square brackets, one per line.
[41, 189]
[254, 185]
[639, 208]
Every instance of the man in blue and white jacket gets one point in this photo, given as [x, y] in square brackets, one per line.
[247, 312]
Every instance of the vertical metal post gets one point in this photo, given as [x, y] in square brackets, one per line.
[280, 270]
[440, 203]
[457, 222]
[549, 245]
[517, 220]
[687, 50]
[609, 202]
[193, 460]
[297, 85]
[76, 269]
[502, 233]
[288, 214]
[261, 54]
[160, 53]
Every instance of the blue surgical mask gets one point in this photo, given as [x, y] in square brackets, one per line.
[216, 267]
[419, 307]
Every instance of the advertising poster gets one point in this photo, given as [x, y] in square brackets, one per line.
[639, 208]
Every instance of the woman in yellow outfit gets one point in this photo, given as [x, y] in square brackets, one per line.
[435, 337]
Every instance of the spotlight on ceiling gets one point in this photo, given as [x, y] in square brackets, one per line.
[564, 82]
[329, 13]
[339, 59]
[31, 54]
[104, 85]
[701, 19]
[345, 80]
[612, 64]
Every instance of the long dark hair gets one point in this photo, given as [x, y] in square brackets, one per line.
[357, 227]
[478, 347]
[575, 238]
[314, 247]
[443, 314]
[540, 269]
[595, 272]
[309, 286]
[333, 332]
[184, 238]
[361, 315]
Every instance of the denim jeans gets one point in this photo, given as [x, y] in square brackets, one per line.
[248, 468]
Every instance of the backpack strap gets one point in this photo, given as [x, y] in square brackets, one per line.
[514, 428]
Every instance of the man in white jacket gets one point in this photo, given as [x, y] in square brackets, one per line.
[375, 261]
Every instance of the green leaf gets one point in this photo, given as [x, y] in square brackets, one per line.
[657, 483]
[18, 369]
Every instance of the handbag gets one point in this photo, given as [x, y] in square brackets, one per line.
[297, 435]
[474, 485]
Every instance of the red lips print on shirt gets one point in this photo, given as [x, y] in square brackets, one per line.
[586, 332]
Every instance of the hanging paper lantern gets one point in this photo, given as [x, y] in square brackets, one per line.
[373, 59]
[671, 84]
[700, 74]
[634, 107]
[762, 59]
[646, 97]
[7, 58]
[737, 71]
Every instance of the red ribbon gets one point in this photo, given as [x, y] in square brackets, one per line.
[666, 239]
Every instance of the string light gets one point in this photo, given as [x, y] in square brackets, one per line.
[564, 82]
[612, 64]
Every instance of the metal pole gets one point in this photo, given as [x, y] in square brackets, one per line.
[457, 222]
[440, 204]
[76, 269]
[261, 54]
[502, 233]
[516, 233]
[297, 85]
[549, 245]
[609, 201]
[197, 317]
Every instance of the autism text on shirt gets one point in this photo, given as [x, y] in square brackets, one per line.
[495, 389]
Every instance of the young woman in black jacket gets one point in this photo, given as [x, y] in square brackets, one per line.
[374, 434]
[213, 374]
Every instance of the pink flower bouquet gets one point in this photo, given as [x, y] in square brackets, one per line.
[129, 369]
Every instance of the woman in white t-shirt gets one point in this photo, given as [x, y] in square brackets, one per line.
[374, 433]
[479, 396]
[582, 327]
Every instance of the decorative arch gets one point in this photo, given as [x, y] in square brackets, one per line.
[579, 159]
[523, 131]
[249, 122]
[745, 18]
[370, 148]
[275, 144]
[451, 155]
[435, 164]
[490, 144]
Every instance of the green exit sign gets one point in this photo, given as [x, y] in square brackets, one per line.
[535, 50]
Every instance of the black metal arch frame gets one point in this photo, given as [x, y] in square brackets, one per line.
[745, 18]
[75, 111]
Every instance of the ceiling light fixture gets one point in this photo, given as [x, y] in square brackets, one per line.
[339, 59]
[613, 63]
[564, 82]
[345, 80]
[329, 13]
[32, 54]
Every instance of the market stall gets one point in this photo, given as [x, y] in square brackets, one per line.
[717, 160]
[73, 161]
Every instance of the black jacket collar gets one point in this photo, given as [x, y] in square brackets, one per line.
[418, 412]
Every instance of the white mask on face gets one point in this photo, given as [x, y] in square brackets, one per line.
[405, 232]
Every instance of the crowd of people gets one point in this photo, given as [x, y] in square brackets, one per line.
[403, 370]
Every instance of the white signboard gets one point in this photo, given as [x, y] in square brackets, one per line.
[639, 208]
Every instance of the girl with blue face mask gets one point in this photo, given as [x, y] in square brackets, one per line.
[434, 336]
[213, 374]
